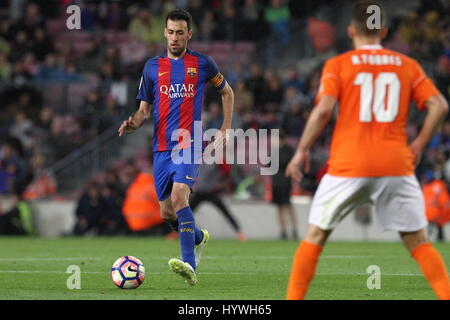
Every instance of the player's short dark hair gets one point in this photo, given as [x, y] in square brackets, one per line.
[180, 14]
[359, 17]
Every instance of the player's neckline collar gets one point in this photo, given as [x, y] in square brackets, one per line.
[370, 47]
[188, 51]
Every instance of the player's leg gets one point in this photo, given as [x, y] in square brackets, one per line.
[168, 213]
[334, 199]
[305, 262]
[430, 261]
[189, 234]
[186, 230]
[400, 207]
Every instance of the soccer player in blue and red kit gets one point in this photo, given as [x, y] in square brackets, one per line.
[174, 84]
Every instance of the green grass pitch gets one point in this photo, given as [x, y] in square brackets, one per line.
[35, 268]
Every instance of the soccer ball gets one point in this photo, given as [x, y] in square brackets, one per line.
[128, 272]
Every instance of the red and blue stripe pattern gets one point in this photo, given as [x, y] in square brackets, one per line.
[176, 88]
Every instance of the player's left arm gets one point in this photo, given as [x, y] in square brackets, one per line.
[227, 106]
[437, 108]
[427, 97]
[318, 119]
[216, 78]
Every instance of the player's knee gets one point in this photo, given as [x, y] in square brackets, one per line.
[412, 240]
[316, 235]
[179, 201]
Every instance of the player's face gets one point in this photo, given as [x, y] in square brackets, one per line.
[177, 35]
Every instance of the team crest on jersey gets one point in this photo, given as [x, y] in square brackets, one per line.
[192, 72]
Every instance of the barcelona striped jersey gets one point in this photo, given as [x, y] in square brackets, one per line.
[176, 89]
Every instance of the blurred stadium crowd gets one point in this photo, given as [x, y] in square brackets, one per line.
[60, 88]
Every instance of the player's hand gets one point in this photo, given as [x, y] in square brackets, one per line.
[299, 161]
[416, 147]
[128, 126]
[221, 138]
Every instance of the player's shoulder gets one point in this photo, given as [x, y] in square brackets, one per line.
[152, 61]
[202, 57]
[337, 60]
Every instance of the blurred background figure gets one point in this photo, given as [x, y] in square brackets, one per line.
[281, 191]
[90, 211]
[211, 183]
[141, 207]
[18, 220]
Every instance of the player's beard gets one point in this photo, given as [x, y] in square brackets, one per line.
[177, 51]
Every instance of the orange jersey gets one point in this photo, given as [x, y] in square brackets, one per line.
[374, 88]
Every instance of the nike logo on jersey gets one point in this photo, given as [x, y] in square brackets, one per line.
[187, 177]
[162, 73]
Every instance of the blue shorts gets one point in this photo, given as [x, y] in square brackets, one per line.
[166, 171]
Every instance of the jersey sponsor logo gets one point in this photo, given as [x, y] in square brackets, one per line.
[178, 90]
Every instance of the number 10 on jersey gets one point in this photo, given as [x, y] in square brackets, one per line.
[373, 96]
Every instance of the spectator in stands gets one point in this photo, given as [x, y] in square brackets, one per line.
[18, 220]
[277, 15]
[293, 79]
[89, 211]
[88, 16]
[322, 34]
[112, 221]
[51, 70]
[207, 27]
[442, 75]
[293, 122]
[19, 74]
[272, 90]
[42, 45]
[111, 113]
[7, 30]
[58, 142]
[270, 120]
[13, 171]
[5, 68]
[32, 20]
[147, 27]
[88, 113]
[214, 116]
[408, 29]
[133, 52]
[252, 25]
[293, 96]
[20, 47]
[93, 56]
[243, 96]
[22, 129]
[255, 84]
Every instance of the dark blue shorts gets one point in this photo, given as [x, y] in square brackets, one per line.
[166, 171]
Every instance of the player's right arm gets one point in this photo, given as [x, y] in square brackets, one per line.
[145, 94]
[135, 122]
[326, 100]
